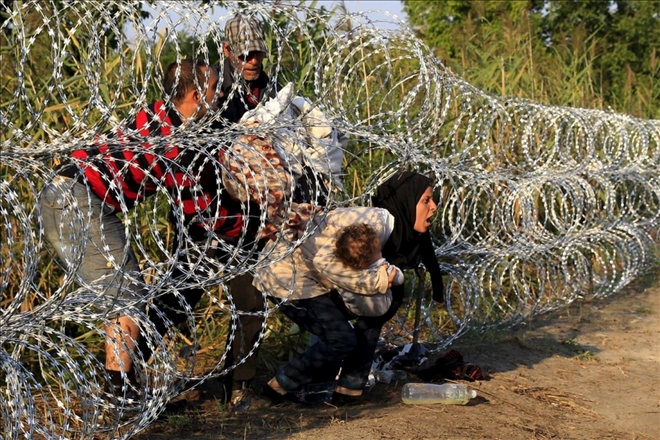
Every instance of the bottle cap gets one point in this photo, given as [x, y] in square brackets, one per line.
[472, 393]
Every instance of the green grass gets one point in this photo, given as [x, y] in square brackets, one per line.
[563, 77]
[178, 421]
[577, 352]
[643, 310]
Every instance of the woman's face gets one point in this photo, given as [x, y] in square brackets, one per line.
[425, 209]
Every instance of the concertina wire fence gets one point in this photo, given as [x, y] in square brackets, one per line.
[539, 206]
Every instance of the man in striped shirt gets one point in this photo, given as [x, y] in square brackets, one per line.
[121, 168]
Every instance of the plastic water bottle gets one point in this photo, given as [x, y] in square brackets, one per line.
[428, 393]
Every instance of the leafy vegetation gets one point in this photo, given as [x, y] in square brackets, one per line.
[593, 54]
[583, 54]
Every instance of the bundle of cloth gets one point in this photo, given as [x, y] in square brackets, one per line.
[397, 362]
[300, 148]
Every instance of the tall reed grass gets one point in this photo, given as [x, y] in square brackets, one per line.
[505, 62]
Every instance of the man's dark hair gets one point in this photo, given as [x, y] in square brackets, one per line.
[181, 78]
[356, 246]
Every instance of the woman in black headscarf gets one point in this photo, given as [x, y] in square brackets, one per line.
[408, 196]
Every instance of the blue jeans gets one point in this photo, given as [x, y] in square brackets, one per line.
[357, 363]
[369, 329]
[326, 317]
[90, 241]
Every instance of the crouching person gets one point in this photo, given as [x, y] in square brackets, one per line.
[340, 261]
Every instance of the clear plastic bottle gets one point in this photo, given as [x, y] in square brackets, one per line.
[428, 393]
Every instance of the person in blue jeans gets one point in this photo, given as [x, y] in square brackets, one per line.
[308, 298]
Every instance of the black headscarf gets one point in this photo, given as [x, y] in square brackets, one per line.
[399, 195]
[406, 248]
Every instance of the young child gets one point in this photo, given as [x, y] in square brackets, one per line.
[358, 248]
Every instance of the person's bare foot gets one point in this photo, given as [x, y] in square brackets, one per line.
[348, 392]
[275, 385]
[346, 396]
[276, 394]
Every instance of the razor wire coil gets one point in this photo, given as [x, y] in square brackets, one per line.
[539, 206]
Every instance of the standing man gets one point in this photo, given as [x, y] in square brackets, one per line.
[79, 207]
[244, 82]
[244, 86]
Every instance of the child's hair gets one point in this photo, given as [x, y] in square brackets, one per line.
[356, 246]
[182, 77]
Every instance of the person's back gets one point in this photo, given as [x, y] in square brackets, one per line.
[312, 267]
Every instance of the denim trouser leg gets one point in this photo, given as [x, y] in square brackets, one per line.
[321, 317]
[89, 238]
[356, 367]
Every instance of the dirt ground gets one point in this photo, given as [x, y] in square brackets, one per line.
[591, 371]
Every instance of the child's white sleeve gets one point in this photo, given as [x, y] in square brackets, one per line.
[399, 278]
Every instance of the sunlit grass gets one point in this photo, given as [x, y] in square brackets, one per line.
[501, 66]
